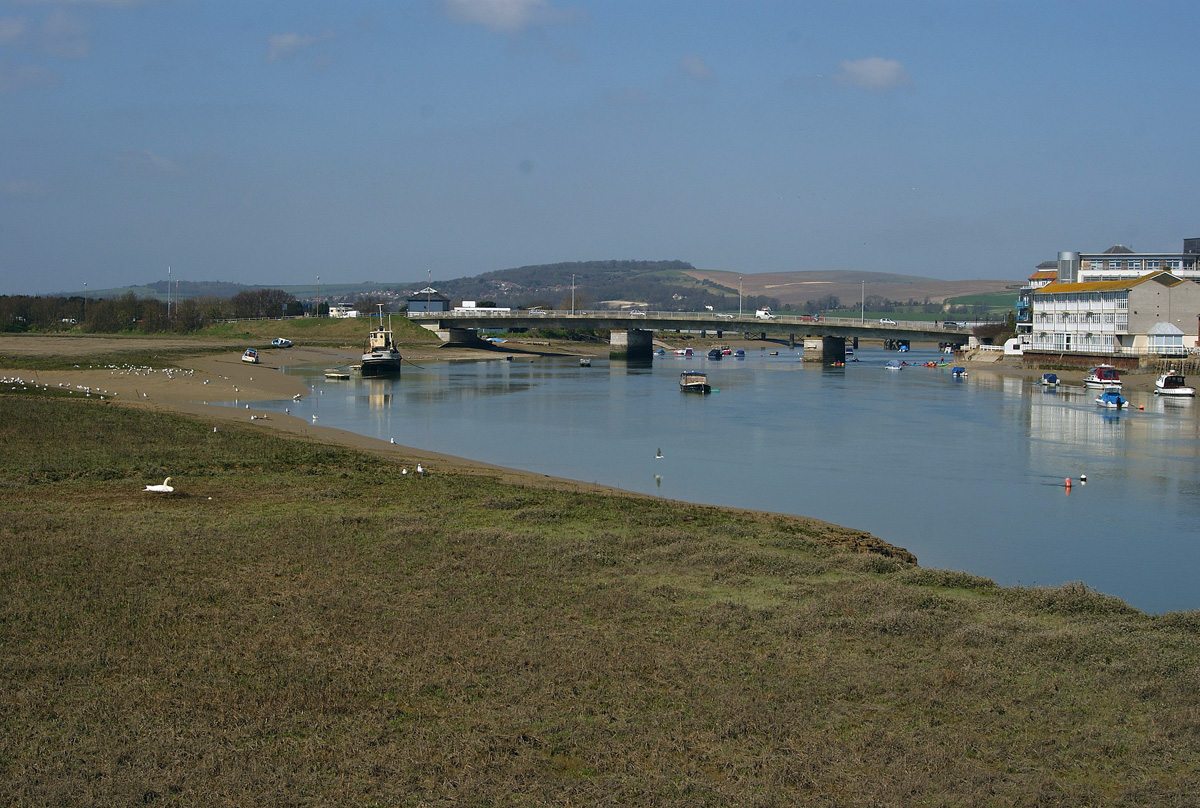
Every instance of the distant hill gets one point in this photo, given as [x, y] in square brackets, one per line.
[799, 288]
[663, 285]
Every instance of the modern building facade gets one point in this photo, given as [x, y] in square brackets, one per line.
[1119, 262]
[1157, 312]
[428, 299]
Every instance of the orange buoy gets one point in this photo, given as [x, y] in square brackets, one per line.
[1068, 482]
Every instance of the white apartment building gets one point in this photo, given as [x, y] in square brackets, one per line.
[1152, 313]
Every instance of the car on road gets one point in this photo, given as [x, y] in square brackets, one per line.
[886, 321]
[724, 315]
[536, 312]
[953, 326]
[636, 313]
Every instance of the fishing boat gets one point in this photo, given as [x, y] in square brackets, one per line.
[692, 382]
[715, 353]
[1112, 399]
[1049, 380]
[381, 357]
[1172, 383]
[250, 356]
[1103, 377]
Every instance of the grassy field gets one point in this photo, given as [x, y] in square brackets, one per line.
[300, 624]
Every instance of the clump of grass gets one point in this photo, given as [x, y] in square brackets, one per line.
[302, 623]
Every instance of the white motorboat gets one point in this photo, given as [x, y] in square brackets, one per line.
[250, 356]
[693, 382]
[1103, 377]
[1173, 383]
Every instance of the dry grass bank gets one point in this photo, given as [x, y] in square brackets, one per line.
[303, 624]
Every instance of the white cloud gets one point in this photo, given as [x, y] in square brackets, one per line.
[873, 73]
[147, 160]
[22, 188]
[20, 77]
[285, 46]
[696, 69]
[66, 36]
[509, 16]
[108, 3]
[12, 29]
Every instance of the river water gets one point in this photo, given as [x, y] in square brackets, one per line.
[967, 474]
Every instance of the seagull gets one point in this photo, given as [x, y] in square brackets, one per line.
[419, 469]
[165, 488]
[314, 417]
[404, 471]
[391, 440]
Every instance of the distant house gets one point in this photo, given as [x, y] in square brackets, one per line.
[1147, 314]
[428, 299]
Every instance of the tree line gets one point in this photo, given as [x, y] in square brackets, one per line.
[130, 313]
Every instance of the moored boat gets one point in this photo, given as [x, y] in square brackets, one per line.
[337, 374]
[958, 371]
[715, 353]
[1049, 380]
[692, 382]
[893, 364]
[585, 362]
[381, 357]
[1103, 377]
[1173, 383]
[1112, 399]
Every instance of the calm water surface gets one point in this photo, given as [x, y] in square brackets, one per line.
[966, 473]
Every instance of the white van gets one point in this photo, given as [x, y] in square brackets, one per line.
[764, 314]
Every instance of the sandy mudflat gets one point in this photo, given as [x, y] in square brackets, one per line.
[196, 384]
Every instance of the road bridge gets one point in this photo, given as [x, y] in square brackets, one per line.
[631, 330]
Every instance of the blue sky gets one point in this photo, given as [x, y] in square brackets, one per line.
[274, 142]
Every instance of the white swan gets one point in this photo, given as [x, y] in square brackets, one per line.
[165, 488]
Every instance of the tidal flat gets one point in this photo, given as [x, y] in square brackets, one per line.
[302, 622]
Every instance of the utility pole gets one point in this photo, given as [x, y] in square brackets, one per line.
[168, 294]
[739, 297]
[572, 293]
[863, 316]
[317, 312]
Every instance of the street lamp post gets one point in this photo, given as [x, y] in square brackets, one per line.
[739, 297]
[572, 293]
[84, 303]
[863, 315]
[317, 307]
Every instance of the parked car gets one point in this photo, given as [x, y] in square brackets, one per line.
[886, 321]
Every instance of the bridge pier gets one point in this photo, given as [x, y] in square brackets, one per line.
[825, 349]
[634, 344]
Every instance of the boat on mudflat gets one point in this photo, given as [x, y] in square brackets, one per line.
[381, 357]
[1173, 383]
[1103, 377]
[250, 356]
[692, 382]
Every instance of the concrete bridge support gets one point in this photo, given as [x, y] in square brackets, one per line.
[635, 344]
[825, 349]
